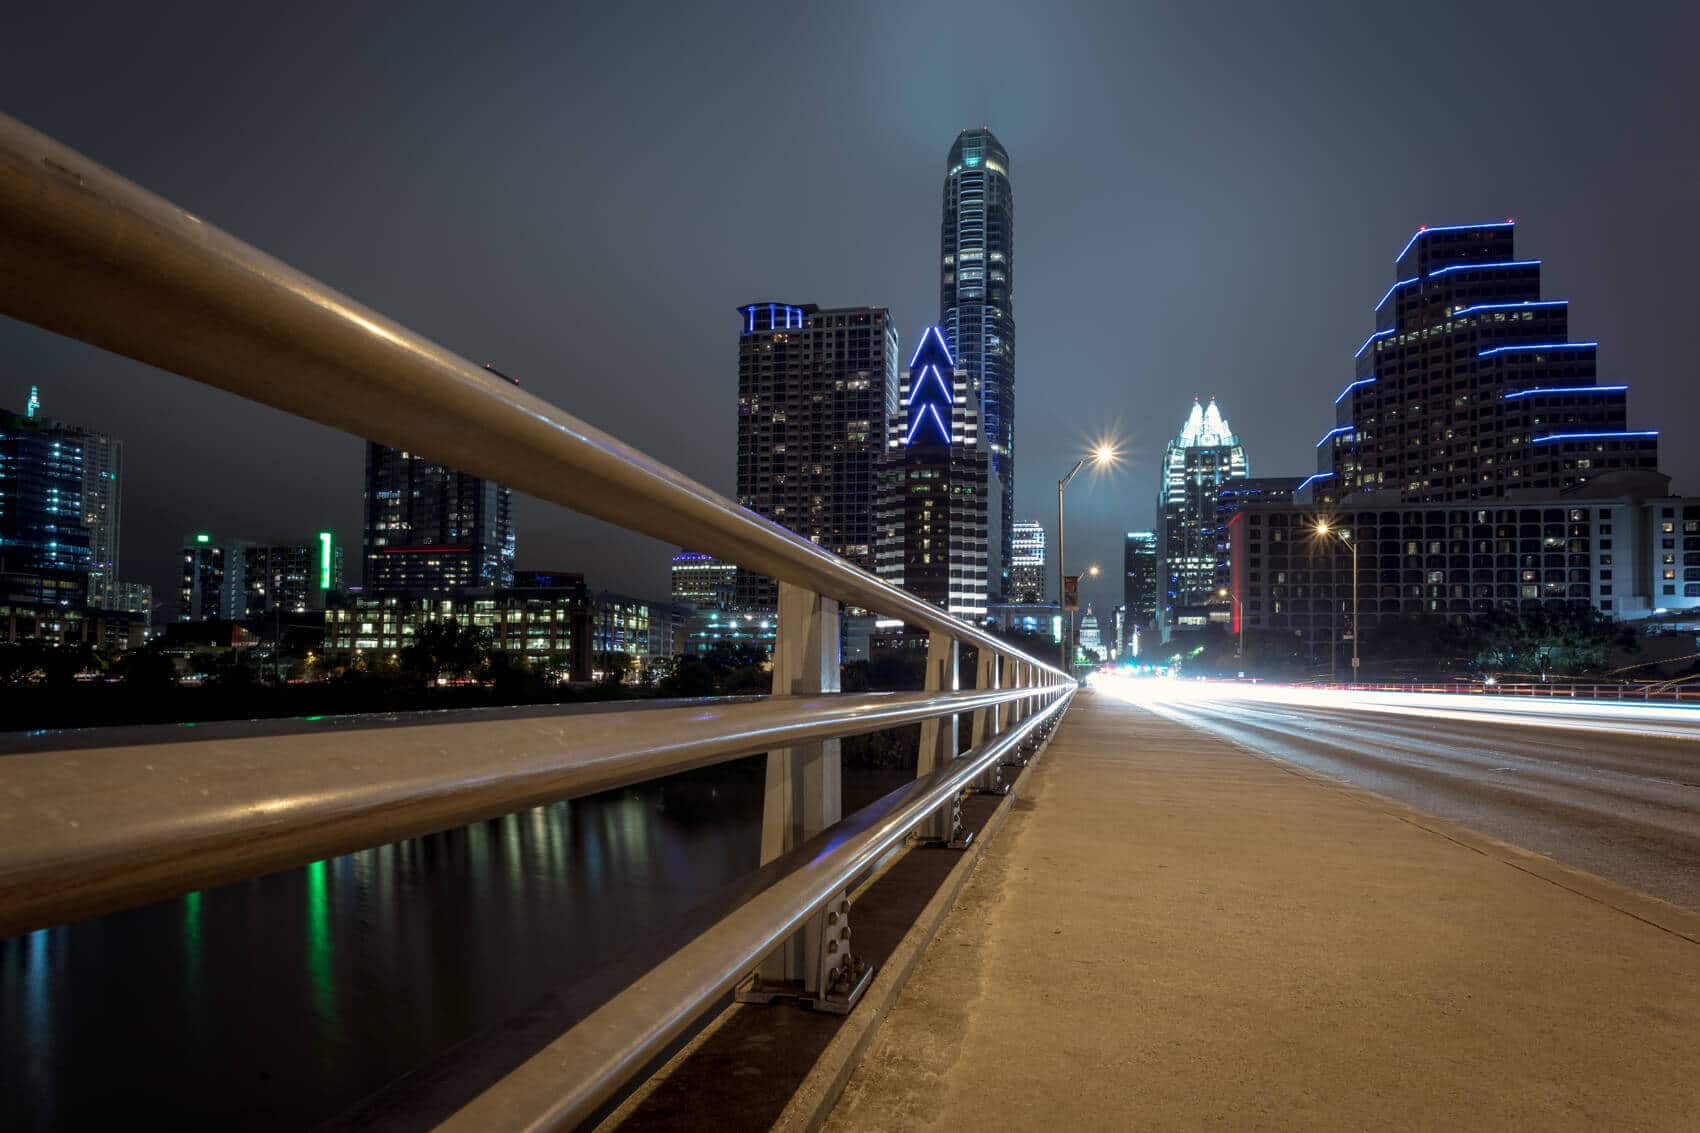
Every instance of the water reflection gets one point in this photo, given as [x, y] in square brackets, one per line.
[279, 1002]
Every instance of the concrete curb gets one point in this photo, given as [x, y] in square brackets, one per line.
[818, 1093]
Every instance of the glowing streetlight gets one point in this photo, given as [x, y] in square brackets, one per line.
[1103, 454]
[1239, 614]
[1324, 529]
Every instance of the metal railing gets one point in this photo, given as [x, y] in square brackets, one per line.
[1658, 693]
[92, 256]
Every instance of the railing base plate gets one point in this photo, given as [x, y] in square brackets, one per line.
[760, 991]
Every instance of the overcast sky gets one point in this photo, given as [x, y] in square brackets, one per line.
[1208, 201]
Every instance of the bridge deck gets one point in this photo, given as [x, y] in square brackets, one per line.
[1171, 932]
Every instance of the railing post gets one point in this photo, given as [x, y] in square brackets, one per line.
[988, 722]
[804, 795]
[939, 740]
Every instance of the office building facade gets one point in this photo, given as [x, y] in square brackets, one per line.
[977, 305]
[1204, 456]
[1140, 586]
[817, 390]
[42, 519]
[703, 582]
[1027, 569]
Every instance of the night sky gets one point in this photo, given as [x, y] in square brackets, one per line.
[1208, 201]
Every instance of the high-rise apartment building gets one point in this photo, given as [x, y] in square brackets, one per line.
[1203, 457]
[1139, 584]
[817, 390]
[294, 577]
[977, 304]
[1470, 386]
[432, 529]
[214, 583]
[1027, 567]
[238, 579]
[942, 499]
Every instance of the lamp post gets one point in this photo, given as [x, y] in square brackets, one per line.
[1324, 529]
[1239, 615]
[1100, 456]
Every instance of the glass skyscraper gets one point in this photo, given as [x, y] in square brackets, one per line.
[977, 306]
[1202, 457]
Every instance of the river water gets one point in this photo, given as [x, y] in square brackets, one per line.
[281, 1002]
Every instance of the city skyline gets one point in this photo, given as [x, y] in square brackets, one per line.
[463, 261]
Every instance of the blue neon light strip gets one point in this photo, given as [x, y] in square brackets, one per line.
[1333, 433]
[943, 345]
[1372, 338]
[1592, 436]
[1565, 389]
[915, 390]
[1350, 386]
[928, 411]
[1510, 306]
[1485, 267]
[1396, 287]
[1308, 479]
[1421, 232]
[1540, 346]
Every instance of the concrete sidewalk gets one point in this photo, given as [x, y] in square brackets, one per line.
[1171, 932]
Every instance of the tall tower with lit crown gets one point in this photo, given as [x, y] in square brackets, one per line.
[977, 305]
[1203, 455]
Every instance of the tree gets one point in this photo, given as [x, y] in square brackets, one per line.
[446, 650]
[1568, 641]
[147, 668]
[691, 676]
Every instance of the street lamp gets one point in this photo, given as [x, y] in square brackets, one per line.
[1239, 615]
[1324, 529]
[1102, 455]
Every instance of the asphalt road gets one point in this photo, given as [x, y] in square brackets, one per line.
[1611, 789]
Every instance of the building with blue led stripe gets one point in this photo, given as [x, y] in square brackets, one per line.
[977, 303]
[941, 507]
[1470, 385]
[1477, 463]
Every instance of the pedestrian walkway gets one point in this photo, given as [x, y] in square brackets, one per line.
[1171, 932]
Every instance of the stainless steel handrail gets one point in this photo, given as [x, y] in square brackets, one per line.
[91, 255]
[565, 1083]
[94, 831]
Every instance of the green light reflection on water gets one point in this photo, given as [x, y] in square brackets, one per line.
[319, 941]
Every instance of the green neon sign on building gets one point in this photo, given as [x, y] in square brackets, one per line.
[324, 560]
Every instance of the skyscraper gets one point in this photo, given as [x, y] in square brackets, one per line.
[977, 304]
[1027, 568]
[816, 393]
[1470, 386]
[42, 522]
[1476, 463]
[942, 497]
[1203, 456]
[1139, 582]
